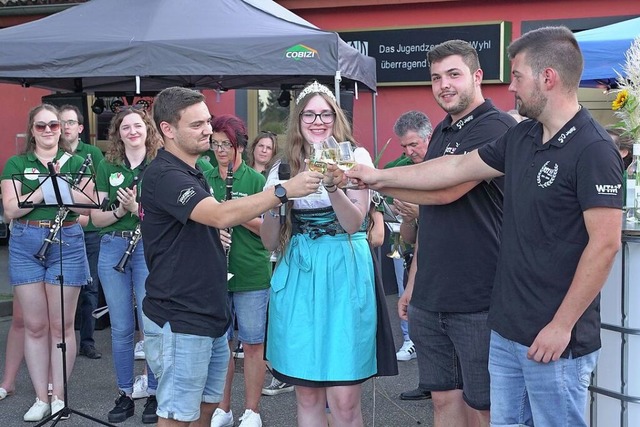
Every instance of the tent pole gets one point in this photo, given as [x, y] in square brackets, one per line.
[336, 86]
[374, 111]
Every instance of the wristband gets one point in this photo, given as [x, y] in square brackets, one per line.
[335, 188]
[116, 215]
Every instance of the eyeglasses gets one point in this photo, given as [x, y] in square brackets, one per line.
[326, 117]
[69, 122]
[220, 145]
[54, 125]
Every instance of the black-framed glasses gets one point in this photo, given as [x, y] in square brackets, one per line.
[69, 122]
[221, 145]
[326, 117]
[54, 125]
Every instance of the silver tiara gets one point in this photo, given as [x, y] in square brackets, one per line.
[315, 87]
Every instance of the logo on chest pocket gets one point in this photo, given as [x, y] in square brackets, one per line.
[547, 174]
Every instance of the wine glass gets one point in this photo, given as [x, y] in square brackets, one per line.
[346, 160]
[317, 162]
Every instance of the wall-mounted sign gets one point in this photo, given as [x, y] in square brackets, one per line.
[401, 53]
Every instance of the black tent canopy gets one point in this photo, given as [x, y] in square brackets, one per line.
[143, 46]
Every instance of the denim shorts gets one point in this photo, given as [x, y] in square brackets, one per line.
[249, 309]
[526, 393]
[26, 240]
[190, 370]
[453, 353]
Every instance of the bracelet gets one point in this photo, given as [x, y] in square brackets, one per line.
[273, 214]
[335, 188]
[116, 215]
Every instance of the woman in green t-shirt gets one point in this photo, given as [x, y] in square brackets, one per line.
[36, 280]
[133, 143]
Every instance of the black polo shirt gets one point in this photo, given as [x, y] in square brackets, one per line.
[459, 242]
[187, 283]
[547, 189]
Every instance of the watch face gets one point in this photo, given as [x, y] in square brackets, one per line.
[280, 191]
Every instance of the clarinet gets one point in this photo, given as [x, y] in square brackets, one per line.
[129, 251]
[135, 238]
[228, 195]
[61, 215]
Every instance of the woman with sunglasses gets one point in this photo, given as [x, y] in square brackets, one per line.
[263, 148]
[322, 308]
[133, 143]
[36, 282]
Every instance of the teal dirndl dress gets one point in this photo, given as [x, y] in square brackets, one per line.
[322, 309]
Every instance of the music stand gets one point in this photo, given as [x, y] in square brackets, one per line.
[57, 190]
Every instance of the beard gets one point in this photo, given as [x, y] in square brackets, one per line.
[463, 103]
[534, 107]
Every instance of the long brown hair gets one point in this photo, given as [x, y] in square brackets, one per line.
[116, 151]
[296, 146]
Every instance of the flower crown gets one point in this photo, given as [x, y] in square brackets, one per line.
[315, 87]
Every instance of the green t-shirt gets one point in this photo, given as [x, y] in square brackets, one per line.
[209, 157]
[203, 164]
[29, 169]
[110, 177]
[248, 259]
[83, 150]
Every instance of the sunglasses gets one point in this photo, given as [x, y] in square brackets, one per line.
[54, 125]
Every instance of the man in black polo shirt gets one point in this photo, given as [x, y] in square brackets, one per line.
[456, 252]
[561, 231]
[185, 308]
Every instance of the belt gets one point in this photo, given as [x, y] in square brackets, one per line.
[44, 223]
[126, 234]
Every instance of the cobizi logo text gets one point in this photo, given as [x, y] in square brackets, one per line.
[299, 52]
[546, 175]
[608, 189]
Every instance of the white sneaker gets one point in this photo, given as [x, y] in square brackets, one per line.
[38, 411]
[56, 406]
[139, 350]
[276, 387]
[222, 419]
[250, 419]
[406, 352]
[140, 387]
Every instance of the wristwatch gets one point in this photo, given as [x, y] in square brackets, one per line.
[281, 193]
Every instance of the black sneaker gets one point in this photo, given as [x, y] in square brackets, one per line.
[124, 409]
[90, 352]
[149, 414]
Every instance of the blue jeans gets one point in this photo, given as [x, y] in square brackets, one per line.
[526, 393]
[120, 289]
[191, 370]
[88, 300]
[249, 308]
[398, 266]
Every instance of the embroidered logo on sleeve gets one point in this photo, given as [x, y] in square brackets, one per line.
[186, 195]
[546, 175]
[608, 189]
